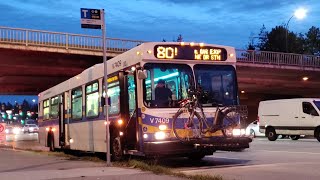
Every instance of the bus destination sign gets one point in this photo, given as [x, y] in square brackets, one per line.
[206, 53]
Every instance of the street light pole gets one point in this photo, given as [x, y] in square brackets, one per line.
[287, 29]
[299, 14]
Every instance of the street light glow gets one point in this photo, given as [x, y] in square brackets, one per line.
[300, 13]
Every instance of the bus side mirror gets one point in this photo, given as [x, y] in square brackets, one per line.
[142, 74]
[103, 101]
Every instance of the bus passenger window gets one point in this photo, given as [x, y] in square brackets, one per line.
[114, 95]
[76, 106]
[46, 109]
[54, 107]
[92, 100]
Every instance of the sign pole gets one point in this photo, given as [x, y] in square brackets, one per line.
[106, 87]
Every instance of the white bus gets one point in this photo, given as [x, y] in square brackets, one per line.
[71, 113]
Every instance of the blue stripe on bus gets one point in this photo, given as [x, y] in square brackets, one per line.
[156, 121]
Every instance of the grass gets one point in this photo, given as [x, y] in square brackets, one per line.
[161, 170]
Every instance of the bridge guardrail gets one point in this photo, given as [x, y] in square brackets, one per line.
[277, 58]
[30, 37]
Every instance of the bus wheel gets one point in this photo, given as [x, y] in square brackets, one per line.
[116, 149]
[271, 134]
[196, 156]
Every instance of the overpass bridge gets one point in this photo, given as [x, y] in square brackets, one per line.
[34, 60]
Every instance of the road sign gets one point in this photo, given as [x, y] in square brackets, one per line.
[91, 18]
[2, 132]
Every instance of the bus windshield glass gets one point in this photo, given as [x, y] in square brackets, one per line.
[317, 103]
[166, 84]
[218, 84]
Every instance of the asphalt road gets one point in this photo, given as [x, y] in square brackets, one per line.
[264, 160]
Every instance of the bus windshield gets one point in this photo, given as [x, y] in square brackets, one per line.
[166, 84]
[218, 84]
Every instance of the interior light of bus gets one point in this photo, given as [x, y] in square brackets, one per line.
[121, 133]
[192, 44]
[138, 53]
[53, 129]
[182, 43]
[120, 121]
[145, 136]
[47, 129]
[164, 77]
[77, 77]
[201, 44]
[231, 55]
[71, 140]
[149, 51]
[133, 68]
[163, 127]
[160, 135]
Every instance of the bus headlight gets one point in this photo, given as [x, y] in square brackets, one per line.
[163, 127]
[238, 132]
[160, 135]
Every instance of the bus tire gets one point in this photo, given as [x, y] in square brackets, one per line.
[271, 134]
[116, 149]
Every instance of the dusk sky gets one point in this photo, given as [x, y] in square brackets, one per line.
[229, 22]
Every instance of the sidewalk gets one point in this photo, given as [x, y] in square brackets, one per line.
[23, 145]
[34, 166]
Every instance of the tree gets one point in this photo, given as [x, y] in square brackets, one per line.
[312, 41]
[263, 38]
[9, 106]
[279, 39]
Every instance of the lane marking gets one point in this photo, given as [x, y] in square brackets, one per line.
[292, 152]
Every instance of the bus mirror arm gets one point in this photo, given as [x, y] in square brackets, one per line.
[142, 74]
[103, 101]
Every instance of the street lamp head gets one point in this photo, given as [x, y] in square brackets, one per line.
[300, 13]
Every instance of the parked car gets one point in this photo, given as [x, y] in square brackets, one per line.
[30, 128]
[253, 129]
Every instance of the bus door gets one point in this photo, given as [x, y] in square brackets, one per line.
[61, 122]
[130, 111]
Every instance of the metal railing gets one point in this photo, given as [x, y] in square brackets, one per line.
[30, 37]
[38, 38]
[277, 58]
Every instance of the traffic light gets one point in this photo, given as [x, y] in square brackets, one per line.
[22, 121]
[20, 113]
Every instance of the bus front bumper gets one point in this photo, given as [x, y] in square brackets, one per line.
[207, 145]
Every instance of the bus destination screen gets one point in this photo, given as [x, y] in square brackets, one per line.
[208, 53]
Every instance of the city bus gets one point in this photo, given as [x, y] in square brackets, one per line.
[72, 113]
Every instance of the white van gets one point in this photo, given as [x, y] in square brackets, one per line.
[293, 117]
